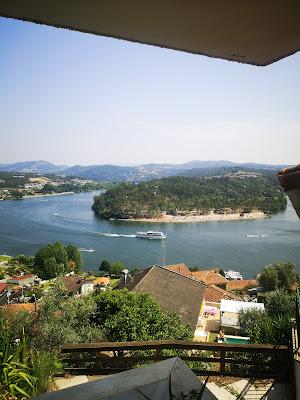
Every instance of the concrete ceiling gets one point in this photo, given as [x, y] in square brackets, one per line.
[256, 32]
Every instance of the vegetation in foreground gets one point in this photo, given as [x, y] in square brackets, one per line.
[60, 318]
[274, 325]
[177, 195]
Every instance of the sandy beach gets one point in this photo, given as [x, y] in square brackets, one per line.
[200, 218]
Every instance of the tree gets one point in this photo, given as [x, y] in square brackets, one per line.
[51, 260]
[280, 303]
[263, 328]
[268, 278]
[24, 260]
[105, 266]
[52, 268]
[128, 316]
[117, 267]
[74, 255]
[62, 319]
[278, 275]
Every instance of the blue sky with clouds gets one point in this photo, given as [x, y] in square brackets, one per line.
[73, 98]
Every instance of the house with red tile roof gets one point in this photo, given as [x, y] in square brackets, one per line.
[77, 284]
[22, 279]
[211, 277]
[181, 269]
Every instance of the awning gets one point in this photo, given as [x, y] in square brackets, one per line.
[237, 306]
[254, 32]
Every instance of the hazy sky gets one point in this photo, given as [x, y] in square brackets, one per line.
[73, 98]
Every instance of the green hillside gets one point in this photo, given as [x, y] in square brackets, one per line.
[184, 194]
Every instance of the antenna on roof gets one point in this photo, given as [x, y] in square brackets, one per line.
[163, 253]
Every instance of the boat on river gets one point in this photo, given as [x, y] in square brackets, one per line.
[86, 250]
[151, 235]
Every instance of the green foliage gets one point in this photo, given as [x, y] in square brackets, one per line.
[49, 188]
[278, 275]
[43, 365]
[23, 260]
[127, 316]
[55, 259]
[280, 303]
[62, 319]
[117, 267]
[16, 380]
[105, 266]
[12, 324]
[181, 194]
[112, 269]
[74, 255]
[262, 328]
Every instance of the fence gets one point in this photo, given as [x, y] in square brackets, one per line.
[206, 359]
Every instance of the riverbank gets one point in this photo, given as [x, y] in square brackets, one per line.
[211, 217]
[32, 196]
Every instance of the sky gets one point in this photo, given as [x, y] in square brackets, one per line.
[74, 98]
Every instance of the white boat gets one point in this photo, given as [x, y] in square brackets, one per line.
[151, 235]
[257, 236]
[86, 250]
[233, 275]
[56, 214]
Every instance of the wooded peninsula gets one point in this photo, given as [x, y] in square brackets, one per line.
[240, 194]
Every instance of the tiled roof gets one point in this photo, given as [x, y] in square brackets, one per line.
[3, 286]
[21, 277]
[172, 291]
[210, 277]
[74, 283]
[240, 284]
[103, 280]
[215, 294]
[182, 269]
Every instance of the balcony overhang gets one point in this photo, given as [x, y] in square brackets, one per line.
[254, 32]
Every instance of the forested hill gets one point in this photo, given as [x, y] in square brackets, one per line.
[240, 193]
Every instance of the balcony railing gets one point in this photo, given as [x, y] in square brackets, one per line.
[206, 359]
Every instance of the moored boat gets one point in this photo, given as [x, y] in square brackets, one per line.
[233, 275]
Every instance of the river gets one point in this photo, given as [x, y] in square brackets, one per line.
[27, 224]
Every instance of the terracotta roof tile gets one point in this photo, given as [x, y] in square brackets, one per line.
[103, 280]
[21, 277]
[240, 284]
[215, 294]
[210, 277]
[181, 269]
[3, 286]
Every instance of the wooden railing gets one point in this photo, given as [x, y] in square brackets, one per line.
[261, 361]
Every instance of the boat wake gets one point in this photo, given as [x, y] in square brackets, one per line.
[116, 235]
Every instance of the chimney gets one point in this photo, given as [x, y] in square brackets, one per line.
[125, 272]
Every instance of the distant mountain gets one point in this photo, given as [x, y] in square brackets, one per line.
[115, 173]
[33, 166]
